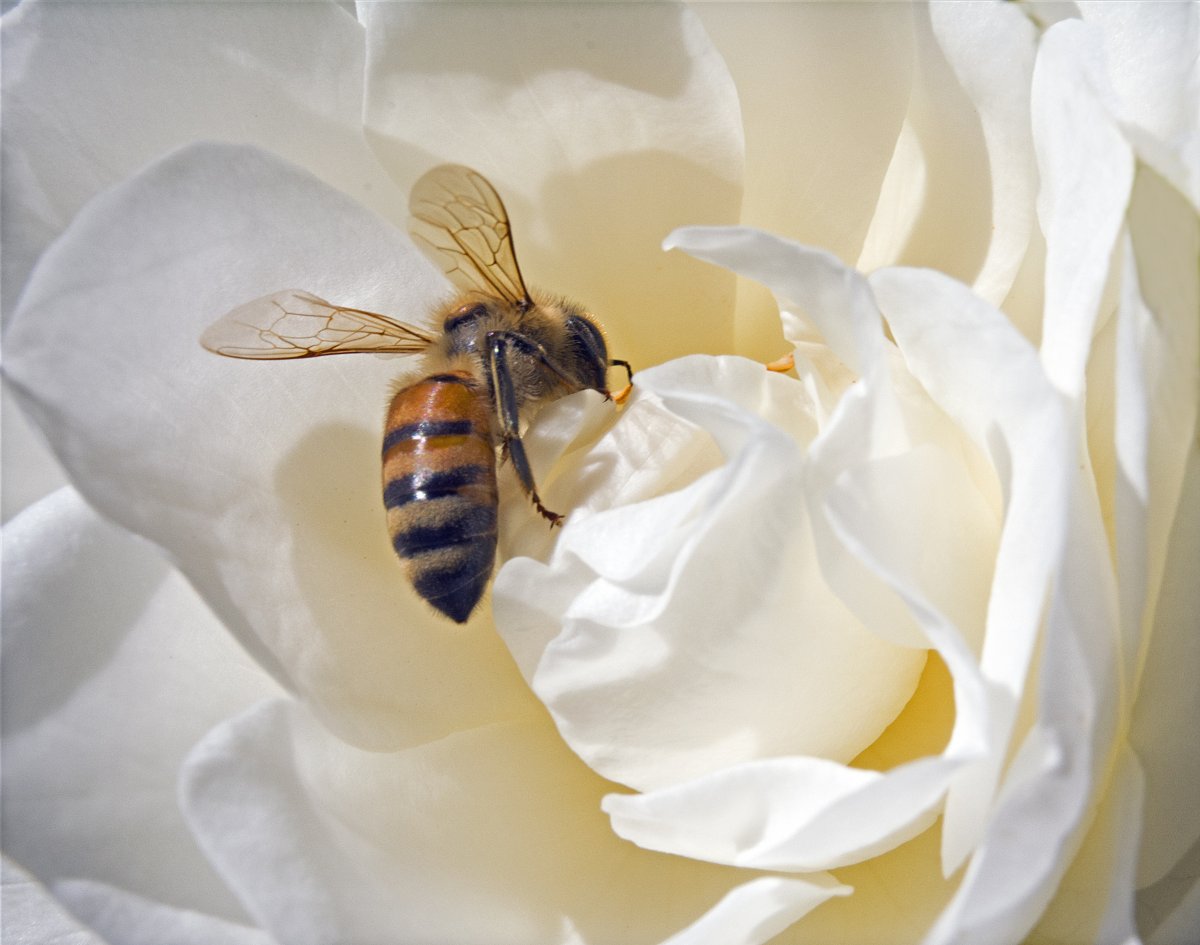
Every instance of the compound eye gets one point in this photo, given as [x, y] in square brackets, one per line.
[591, 353]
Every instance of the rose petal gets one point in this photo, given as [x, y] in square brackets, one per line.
[823, 90]
[602, 127]
[32, 916]
[1095, 901]
[968, 110]
[125, 919]
[990, 49]
[808, 283]
[1086, 171]
[1050, 784]
[30, 470]
[622, 613]
[1168, 693]
[1155, 419]
[1150, 57]
[794, 814]
[261, 479]
[986, 377]
[94, 92]
[89, 771]
[491, 835]
[757, 911]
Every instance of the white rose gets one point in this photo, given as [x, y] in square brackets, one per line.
[901, 648]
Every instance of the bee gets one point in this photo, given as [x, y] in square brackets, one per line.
[501, 351]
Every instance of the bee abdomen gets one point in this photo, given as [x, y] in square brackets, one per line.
[439, 488]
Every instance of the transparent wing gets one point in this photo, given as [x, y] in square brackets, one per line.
[296, 324]
[459, 219]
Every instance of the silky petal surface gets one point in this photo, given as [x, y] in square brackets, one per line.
[985, 376]
[603, 127]
[1086, 168]
[369, 847]
[794, 814]
[757, 911]
[823, 91]
[959, 194]
[31, 916]
[89, 772]
[125, 919]
[1158, 507]
[1150, 59]
[260, 479]
[651, 677]
[93, 92]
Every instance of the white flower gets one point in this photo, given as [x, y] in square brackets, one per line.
[898, 649]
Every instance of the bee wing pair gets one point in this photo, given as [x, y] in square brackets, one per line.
[457, 218]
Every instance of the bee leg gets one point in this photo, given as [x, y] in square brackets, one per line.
[782, 365]
[499, 344]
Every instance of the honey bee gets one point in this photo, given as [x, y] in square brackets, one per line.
[501, 351]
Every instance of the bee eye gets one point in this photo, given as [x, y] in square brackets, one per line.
[591, 353]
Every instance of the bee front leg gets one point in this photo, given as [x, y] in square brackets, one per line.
[499, 344]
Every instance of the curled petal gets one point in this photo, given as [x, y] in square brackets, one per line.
[501, 821]
[757, 911]
[795, 814]
[622, 613]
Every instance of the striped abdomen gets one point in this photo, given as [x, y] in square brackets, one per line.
[439, 488]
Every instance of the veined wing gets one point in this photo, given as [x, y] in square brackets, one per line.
[459, 219]
[297, 324]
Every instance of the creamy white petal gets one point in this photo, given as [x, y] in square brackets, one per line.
[1095, 900]
[990, 48]
[261, 479]
[112, 668]
[125, 919]
[1157, 393]
[1051, 783]
[793, 814]
[1150, 58]
[603, 127]
[491, 835]
[1168, 692]
[1086, 170]
[650, 675]
[823, 90]
[30, 915]
[988, 379]
[758, 911]
[30, 469]
[959, 196]
[810, 285]
[92, 92]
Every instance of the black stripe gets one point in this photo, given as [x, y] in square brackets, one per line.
[431, 484]
[456, 590]
[473, 524]
[450, 379]
[425, 429]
